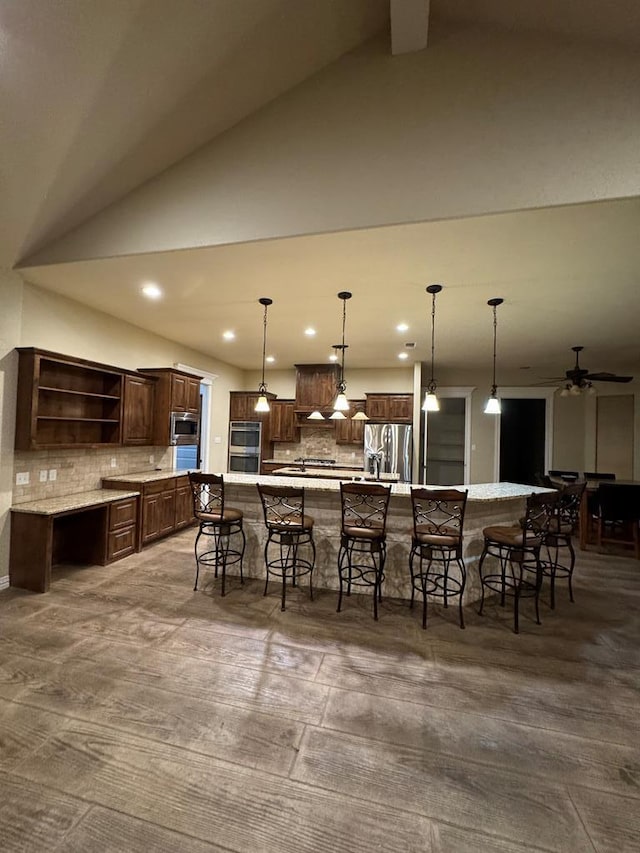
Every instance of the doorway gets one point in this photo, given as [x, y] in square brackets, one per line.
[523, 438]
[445, 443]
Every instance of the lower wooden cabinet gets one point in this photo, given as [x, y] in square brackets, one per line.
[165, 506]
[123, 529]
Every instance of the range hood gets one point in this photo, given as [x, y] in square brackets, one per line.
[315, 390]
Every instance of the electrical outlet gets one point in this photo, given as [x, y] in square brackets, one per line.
[53, 473]
[287, 452]
[217, 439]
[43, 476]
[114, 462]
[151, 460]
[22, 479]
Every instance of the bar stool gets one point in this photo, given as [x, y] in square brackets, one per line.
[438, 519]
[218, 521]
[288, 530]
[363, 544]
[561, 528]
[518, 552]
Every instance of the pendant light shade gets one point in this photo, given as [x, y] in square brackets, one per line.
[360, 416]
[315, 416]
[341, 404]
[431, 403]
[263, 403]
[493, 403]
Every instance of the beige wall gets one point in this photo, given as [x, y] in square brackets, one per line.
[10, 322]
[482, 121]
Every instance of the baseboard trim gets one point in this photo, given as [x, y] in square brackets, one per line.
[4, 582]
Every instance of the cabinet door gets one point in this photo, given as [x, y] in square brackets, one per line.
[137, 425]
[150, 517]
[350, 431]
[316, 385]
[193, 396]
[283, 421]
[184, 506]
[401, 408]
[378, 407]
[179, 393]
[238, 406]
[167, 511]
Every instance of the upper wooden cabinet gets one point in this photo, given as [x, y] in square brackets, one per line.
[175, 392]
[282, 423]
[66, 402]
[242, 406]
[390, 408]
[138, 410]
[315, 387]
[349, 431]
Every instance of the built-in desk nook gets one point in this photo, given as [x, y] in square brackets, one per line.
[91, 528]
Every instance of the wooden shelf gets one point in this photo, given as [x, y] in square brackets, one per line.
[79, 393]
[82, 420]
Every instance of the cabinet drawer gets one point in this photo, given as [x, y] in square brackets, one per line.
[160, 486]
[121, 543]
[123, 513]
[182, 482]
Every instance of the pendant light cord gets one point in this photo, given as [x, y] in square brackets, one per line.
[433, 337]
[495, 333]
[344, 323]
[264, 300]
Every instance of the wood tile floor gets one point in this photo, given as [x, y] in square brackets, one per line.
[137, 715]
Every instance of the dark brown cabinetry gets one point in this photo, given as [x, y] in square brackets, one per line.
[390, 408]
[282, 422]
[315, 387]
[349, 431]
[123, 517]
[175, 391]
[165, 505]
[242, 406]
[138, 408]
[66, 402]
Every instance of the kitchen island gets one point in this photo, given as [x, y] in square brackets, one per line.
[487, 504]
[335, 474]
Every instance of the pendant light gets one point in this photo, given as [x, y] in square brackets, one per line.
[431, 403]
[341, 404]
[263, 403]
[493, 403]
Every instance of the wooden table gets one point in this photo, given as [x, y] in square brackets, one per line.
[592, 488]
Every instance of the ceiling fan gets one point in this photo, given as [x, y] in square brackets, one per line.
[579, 379]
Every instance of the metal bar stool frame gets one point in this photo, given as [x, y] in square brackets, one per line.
[219, 522]
[438, 520]
[363, 546]
[288, 530]
[559, 537]
[517, 550]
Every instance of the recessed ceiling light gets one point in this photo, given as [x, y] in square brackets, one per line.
[229, 335]
[403, 355]
[152, 291]
[402, 327]
[270, 359]
[333, 357]
[310, 332]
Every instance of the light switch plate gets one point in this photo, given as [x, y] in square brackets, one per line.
[43, 476]
[53, 473]
[22, 479]
[114, 462]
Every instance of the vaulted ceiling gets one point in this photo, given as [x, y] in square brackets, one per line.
[98, 98]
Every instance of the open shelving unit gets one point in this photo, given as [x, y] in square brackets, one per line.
[65, 402]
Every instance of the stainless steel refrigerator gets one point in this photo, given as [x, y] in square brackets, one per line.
[389, 449]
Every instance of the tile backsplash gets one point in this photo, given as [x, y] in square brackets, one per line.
[321, 444]
[80, 470]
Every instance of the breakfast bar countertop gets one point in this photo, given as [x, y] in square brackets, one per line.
[334, 473]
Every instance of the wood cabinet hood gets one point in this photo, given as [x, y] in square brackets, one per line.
[316, 387]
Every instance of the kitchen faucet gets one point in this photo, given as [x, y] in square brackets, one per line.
[376, 459]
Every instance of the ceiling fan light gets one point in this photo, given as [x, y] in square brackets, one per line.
[431, 403]
[565, 391]
[575, 391]
[315, 416]
[591, 391]
[492, 406]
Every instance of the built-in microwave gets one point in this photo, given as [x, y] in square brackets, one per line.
[185, 428]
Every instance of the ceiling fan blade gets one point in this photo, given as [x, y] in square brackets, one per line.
[607, 377]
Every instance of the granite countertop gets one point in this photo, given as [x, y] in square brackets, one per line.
[149, 476]
[69, 503]
[290, 463]
[334, 474]
[477, 491]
